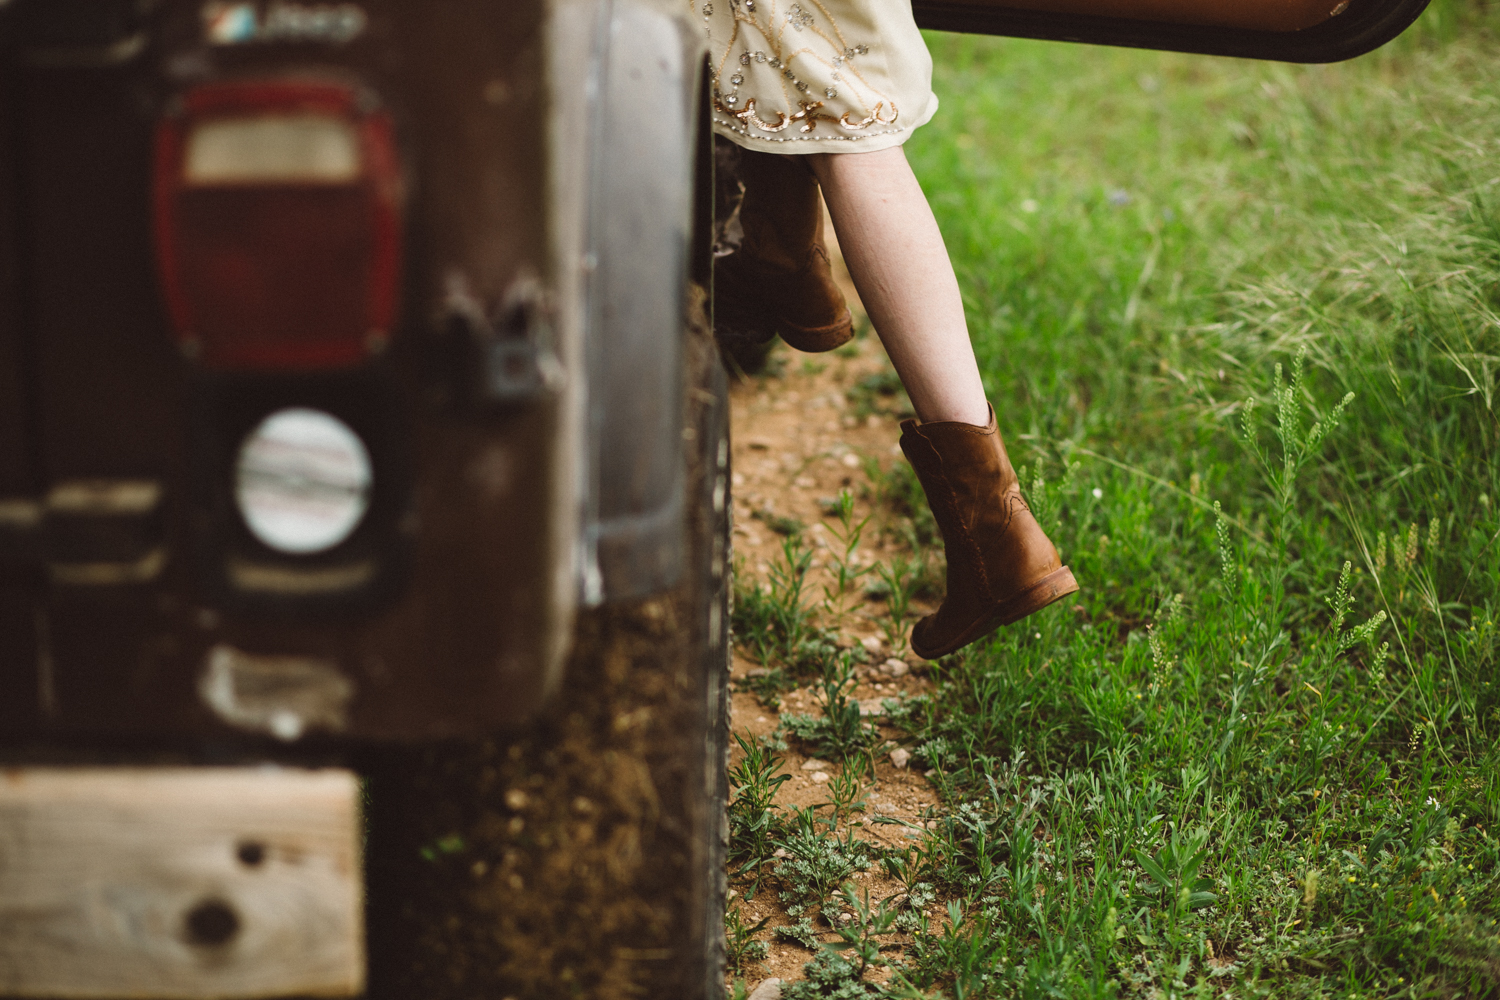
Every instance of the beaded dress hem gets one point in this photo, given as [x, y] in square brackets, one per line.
[817, 76]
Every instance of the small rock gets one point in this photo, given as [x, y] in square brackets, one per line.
[769, 989]
[814, 764]
[930, 774]
[913, 834]
[871, 706]
[895, 667]
[516, 799]
[804, 482]
[851, 460]
[780, 852]
[901, 757]
[873, 643]
[845, 917]
[931, 824]
[758, 672]
[819, 777]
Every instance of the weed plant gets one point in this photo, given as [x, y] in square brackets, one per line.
[838, 970]
[1257, 755]
[742, 950]
[754, 824]
[774, 620]
[818, 862]
[846, 793]
[840, 732]
[844, 569]
[899, 577]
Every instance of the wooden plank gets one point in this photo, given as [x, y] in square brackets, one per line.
[180, 883]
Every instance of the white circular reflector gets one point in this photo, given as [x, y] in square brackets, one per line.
[302, 481]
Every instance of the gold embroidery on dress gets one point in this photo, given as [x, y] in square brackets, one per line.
[808, 116]
[840, 63]
[874, 117]
[749, 115]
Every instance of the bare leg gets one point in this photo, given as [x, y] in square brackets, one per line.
[899, 264]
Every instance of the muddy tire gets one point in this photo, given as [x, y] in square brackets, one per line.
[583, 855]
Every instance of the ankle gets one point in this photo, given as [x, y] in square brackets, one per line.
[955, 412]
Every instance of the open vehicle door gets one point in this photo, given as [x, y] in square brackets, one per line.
[1306, 31]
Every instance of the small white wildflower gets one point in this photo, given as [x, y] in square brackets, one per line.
[1098, 493]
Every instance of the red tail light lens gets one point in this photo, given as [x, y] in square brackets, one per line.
[278, 224]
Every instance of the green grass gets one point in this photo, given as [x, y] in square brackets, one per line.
[1257, 757]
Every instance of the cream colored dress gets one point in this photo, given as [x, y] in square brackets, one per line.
[804, 76]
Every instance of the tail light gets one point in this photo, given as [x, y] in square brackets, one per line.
[278, 224]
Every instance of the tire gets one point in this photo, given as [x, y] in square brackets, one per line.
[583, 855]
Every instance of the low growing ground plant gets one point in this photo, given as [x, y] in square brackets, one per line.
[754, 819]
[841, 730]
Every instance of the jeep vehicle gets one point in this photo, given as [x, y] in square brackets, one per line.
[364, 486]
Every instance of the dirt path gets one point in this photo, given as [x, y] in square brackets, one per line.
[799, 438]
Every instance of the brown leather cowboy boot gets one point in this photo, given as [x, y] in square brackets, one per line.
[1001, 567]
[779, 280]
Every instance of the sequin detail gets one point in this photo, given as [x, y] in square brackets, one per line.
[813, 85]
[807, 117]
[798, 18]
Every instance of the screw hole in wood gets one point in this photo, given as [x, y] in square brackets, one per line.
[211, 923]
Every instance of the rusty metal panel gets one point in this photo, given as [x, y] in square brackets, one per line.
[447, 611]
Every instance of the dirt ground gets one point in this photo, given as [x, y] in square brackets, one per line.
[797, 440]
